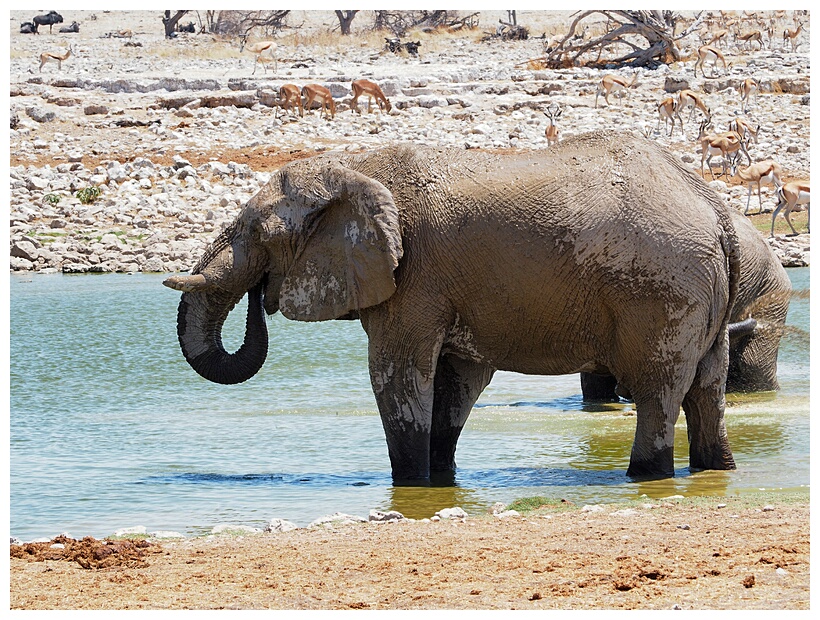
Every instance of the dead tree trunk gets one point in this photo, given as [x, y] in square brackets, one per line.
[170, 23]
[632, 38]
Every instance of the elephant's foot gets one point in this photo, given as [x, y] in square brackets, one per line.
[715, 456]
[660, 465]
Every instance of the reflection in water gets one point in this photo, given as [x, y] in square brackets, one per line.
[424, 502]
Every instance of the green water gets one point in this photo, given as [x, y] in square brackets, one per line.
[110, 428]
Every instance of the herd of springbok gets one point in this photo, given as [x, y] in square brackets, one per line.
[715, 36]
[731, 145]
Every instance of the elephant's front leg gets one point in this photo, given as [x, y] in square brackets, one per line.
[457, 386]
[403, 385]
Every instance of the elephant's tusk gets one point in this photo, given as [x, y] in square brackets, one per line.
[187, 284]
[743, 328]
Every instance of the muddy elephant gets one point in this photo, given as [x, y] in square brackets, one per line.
[758, 321]
[605, 252]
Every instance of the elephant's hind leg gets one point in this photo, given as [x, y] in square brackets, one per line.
[704, 406]
[457, 386]
[653, 453]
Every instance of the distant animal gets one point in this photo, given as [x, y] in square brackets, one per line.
[392, 45]
[551, 132]
[767, 171]
[258, 49]
[46, 56]
[289, 96]
[789, 196]
[28, 28]
[321, 95]
[612, 84]
[74, 27]
[49, 19]
[396, 46]
[710, 54]
[189, 27]
[372, 90]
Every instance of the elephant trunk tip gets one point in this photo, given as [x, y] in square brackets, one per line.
[187, 284]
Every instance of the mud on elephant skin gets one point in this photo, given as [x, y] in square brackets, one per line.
[758, 322]
[460, 263]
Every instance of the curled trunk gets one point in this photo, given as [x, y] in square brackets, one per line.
[199, 327]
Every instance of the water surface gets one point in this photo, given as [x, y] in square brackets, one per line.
[110, 427]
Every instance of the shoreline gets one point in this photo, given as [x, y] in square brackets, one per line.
[697, 553]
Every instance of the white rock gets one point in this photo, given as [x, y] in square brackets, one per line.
[390, 515]
[451, 513]
[137, 529]
[280, 525]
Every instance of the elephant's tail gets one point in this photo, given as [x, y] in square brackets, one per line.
[731, 252]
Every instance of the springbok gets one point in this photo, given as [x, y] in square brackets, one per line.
[321, 95]
[791, 36]
[744, 128]
[46, 56]
[289, 96]
[767, 171]
[790, 195]
[690, 99]
[750, 37]
[748, 88]
[722, 144]
[711, 54]
[372, 90]
[613, 84]
[258, 49]
[669, 110]
[551, 132]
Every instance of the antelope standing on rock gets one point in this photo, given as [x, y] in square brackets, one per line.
[551, 132]
[258, 49]
[46, 56]
[321, 95]
[767, 171]
[372, 90]
[613, 84]
[290, 96]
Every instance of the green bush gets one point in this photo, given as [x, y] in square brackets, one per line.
[87, 195]
[52, 199]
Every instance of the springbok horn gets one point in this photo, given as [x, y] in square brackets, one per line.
[187, 284]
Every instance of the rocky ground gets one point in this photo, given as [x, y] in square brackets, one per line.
[177, 134]
[673, 554]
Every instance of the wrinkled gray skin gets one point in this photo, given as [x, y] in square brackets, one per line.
[758, 321]
[605, 252]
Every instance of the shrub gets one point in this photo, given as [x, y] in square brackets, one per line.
[87, 195]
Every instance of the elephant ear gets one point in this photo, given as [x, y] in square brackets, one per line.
[350, 249]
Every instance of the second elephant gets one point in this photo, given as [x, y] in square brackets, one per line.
[758, 321]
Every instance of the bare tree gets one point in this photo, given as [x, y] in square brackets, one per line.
[170, 23]
[400, 22]
[632, 38]
[235, 23]
[345, 19]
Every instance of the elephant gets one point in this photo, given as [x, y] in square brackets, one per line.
[758, 321]
[607, 252]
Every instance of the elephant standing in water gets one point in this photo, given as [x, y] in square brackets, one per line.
[604, 253]
[758, 321]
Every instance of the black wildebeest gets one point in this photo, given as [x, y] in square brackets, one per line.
[27, 28]
[74, 27]
[49, 19]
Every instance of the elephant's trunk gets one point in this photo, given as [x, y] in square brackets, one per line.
[199, 327]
